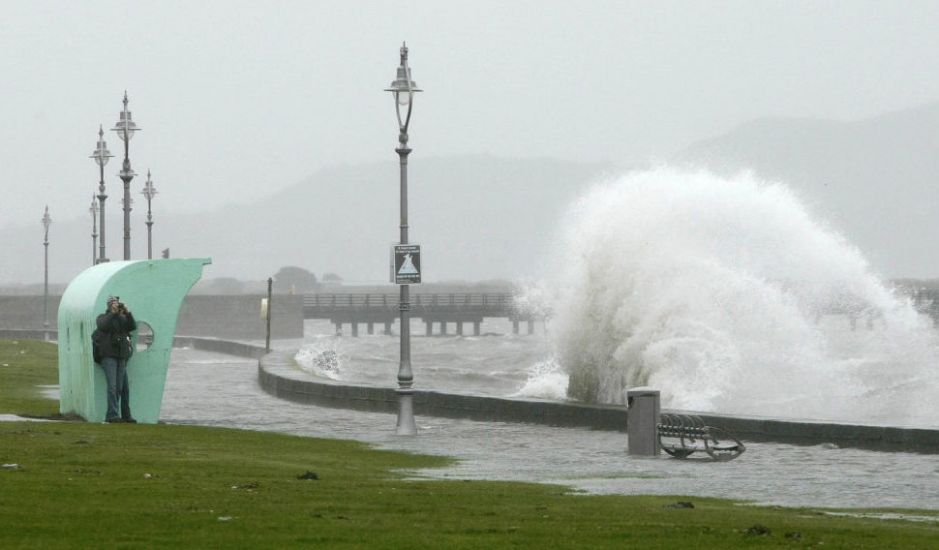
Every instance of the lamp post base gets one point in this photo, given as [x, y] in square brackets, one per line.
[406, 425]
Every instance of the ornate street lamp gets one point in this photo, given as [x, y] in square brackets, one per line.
[403, 89]
[149, 191]
[101, 156]
[46, 222]
[125, 128]
[93, 210]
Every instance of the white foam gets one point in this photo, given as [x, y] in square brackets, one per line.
[546, 380]
[323, 357]
[708, 288]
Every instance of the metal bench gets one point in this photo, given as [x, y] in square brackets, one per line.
[681, 435]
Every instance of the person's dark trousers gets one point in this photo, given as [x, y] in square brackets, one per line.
[115, 372]
[110, 366]
[125, 394]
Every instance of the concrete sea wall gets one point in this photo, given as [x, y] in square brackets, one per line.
[279, 376]
[215, 345]
[239, 317]
[25, 312]
[236, 317]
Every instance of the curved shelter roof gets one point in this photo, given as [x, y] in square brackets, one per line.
[154, 291]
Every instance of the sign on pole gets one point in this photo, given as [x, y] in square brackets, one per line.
[406, 264]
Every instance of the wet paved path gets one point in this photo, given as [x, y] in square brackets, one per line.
[219, 390]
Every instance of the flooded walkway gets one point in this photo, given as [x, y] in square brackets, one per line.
[219, 390]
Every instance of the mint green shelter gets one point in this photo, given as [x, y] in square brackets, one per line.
[154, 291]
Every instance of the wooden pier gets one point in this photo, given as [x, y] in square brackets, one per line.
[440, 309]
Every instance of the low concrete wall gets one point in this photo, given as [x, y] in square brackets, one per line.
[25, 312]
[219, 346]
[279, 376]
[235, 317]
[239, 317]
[817, 432]
[28, 334]
[215, 345]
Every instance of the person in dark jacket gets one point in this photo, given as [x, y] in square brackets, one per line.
[117, 322]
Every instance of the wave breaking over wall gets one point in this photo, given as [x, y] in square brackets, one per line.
[725, 294]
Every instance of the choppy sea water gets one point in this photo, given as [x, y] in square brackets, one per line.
[496, 363]
[218, 390]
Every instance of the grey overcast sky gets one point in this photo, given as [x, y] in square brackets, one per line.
[238, 99]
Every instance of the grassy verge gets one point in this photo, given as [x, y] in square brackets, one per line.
[136, 486]
[24, 365]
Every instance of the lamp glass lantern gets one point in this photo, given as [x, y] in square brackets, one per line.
[403, 90]
[46, 222]
[101, 153]
[149, 190]
[125, 126]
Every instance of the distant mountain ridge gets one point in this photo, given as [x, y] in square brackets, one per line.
[484, 217]
[477, 218]
[874, 179]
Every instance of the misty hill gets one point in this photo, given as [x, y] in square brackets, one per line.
[477, 218]
[484, 217]
[875, 180]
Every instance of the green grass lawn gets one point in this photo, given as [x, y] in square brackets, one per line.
[24, 365]
[142, 486]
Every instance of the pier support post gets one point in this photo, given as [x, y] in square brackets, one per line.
[514, 326]
[476, 328]
[443, 328]
[388, 329]
[370, 326]
[459, 328]
[428, 328]
[531, 327]
[355, 329]
[338, 329]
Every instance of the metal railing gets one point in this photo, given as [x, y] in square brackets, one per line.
[471, 303]
[380, 300]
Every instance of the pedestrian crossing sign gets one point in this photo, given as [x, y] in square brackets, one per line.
[406, 267]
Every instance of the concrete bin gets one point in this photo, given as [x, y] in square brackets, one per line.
[642, 417]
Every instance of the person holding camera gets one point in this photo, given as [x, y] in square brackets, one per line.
[116, 323]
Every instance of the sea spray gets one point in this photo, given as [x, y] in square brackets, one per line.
[727, 296]
[546, 380]
[323, 357]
